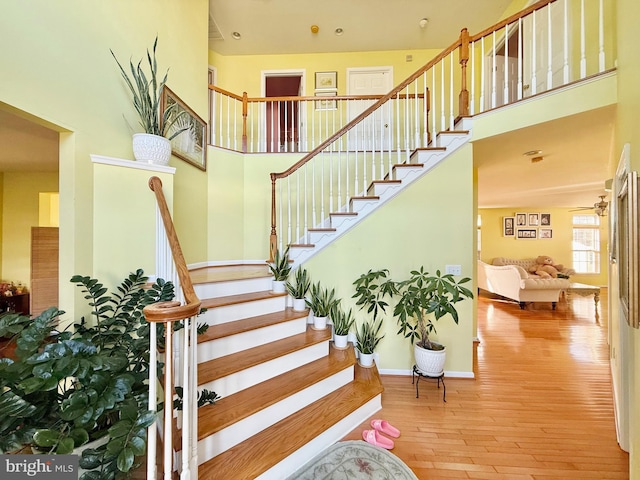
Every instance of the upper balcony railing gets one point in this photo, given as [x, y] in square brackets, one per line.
[548, 45]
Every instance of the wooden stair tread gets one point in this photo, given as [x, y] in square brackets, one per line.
[321, 229]
[236, 362]
[386, 181]
[250, 458]
[430, 149]
[411, 165]
[227, 329]
[454, 132]
[366, 197]
[302, 245]
[345, 214]
[240, 298]
[231, 409]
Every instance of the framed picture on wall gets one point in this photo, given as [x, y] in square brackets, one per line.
[508, 226]
[545, 219]
[526, 233]
[521, 219]
[545, 233]
[533, 219]
[326, 80]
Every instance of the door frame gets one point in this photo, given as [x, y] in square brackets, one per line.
[302, 112]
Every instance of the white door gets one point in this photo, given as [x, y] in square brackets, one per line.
[373, 132]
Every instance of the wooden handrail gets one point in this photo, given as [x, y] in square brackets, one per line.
[172, 311]
[511, 19]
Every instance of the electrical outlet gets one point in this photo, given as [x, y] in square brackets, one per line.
[453, 269]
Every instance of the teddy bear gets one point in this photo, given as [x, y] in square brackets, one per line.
[545, 268]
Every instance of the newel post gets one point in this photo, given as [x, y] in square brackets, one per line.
[463, 109]
[245, 110]
[273, 238]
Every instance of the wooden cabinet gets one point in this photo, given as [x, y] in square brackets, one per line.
[18, 303]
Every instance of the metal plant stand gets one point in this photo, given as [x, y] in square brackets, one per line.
[418, 374]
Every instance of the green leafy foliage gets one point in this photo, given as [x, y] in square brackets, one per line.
[368, 336]
[301, 285]
[425, 298]
[342, 321]
[280, 268]
[146, 94]
[67, 388]
[322, 300]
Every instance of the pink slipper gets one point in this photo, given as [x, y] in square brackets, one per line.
[374, 438]
[385, 427]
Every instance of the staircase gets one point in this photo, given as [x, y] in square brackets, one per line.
[421, 161]
[287, 394]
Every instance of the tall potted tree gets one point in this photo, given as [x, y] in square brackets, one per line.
[423, 299]
[150, 146]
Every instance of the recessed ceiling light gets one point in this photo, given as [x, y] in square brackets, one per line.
[531, 153]
[339, 31]
[236, 35]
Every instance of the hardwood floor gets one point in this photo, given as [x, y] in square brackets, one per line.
[539, 408]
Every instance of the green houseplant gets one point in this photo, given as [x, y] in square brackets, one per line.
[321, 302]
[423, 299]
[280, 268]
[299, 288]
[151, 146]
[68, 388]
[371, 290]
[342, 324]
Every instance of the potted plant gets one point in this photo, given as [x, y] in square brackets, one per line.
[371, 289]
[151, 146]
[368, 336]
[67, 389]
[321, 302]
[422, 300]
[280, 268]
[299, 289]
[342, 324]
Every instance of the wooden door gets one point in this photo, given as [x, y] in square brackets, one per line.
[44, 269]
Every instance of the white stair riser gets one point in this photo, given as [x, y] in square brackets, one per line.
[317, 237]
[238, 311]
[225, 439]
[449, 139]
[232, 287]
[405, 173]
[246, 340]
[330, 436]
[380, 189]
[338, 221]
[359, 205]
[259, 373]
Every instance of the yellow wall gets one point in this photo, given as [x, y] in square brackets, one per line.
[19, 213]
[49, 209]
[405, 234]
[494, 244]
[628, 131]
[59, 70]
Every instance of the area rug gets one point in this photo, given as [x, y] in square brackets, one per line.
[354, 460]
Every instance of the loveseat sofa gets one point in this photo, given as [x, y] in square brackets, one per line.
[513, 281]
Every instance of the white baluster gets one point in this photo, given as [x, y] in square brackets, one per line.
[416, 107]
[452, 118]
[443, 121]
[193, 366]
[505, 92]
[306, 199]
[298, 199]
[313, 191]
[152, 431]
[601, 56]
[433, 104]
[534, 79]
[482, 75]
[565, 45]
[583, 48]
[493, 71]
[472, 107]
[282, 227]
[549, 49]
[289, 223]
[520, 64]
[186, 403]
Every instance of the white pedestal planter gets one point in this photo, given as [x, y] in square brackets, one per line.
[430, 362]
[366, 360]
[319, 323]
[340, 341]
[299, 304]
[152, 149]
[278, 286]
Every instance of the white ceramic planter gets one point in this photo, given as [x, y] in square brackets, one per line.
[366, 360]
[152, 149]
[299, 304]
[430, 362]
[340, 341]
[319, 323]
[278, 286]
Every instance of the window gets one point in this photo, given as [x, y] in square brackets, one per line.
[586, 243]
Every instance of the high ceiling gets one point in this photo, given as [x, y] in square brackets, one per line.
[576, 150]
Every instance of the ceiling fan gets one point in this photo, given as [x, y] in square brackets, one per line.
[599, 208]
